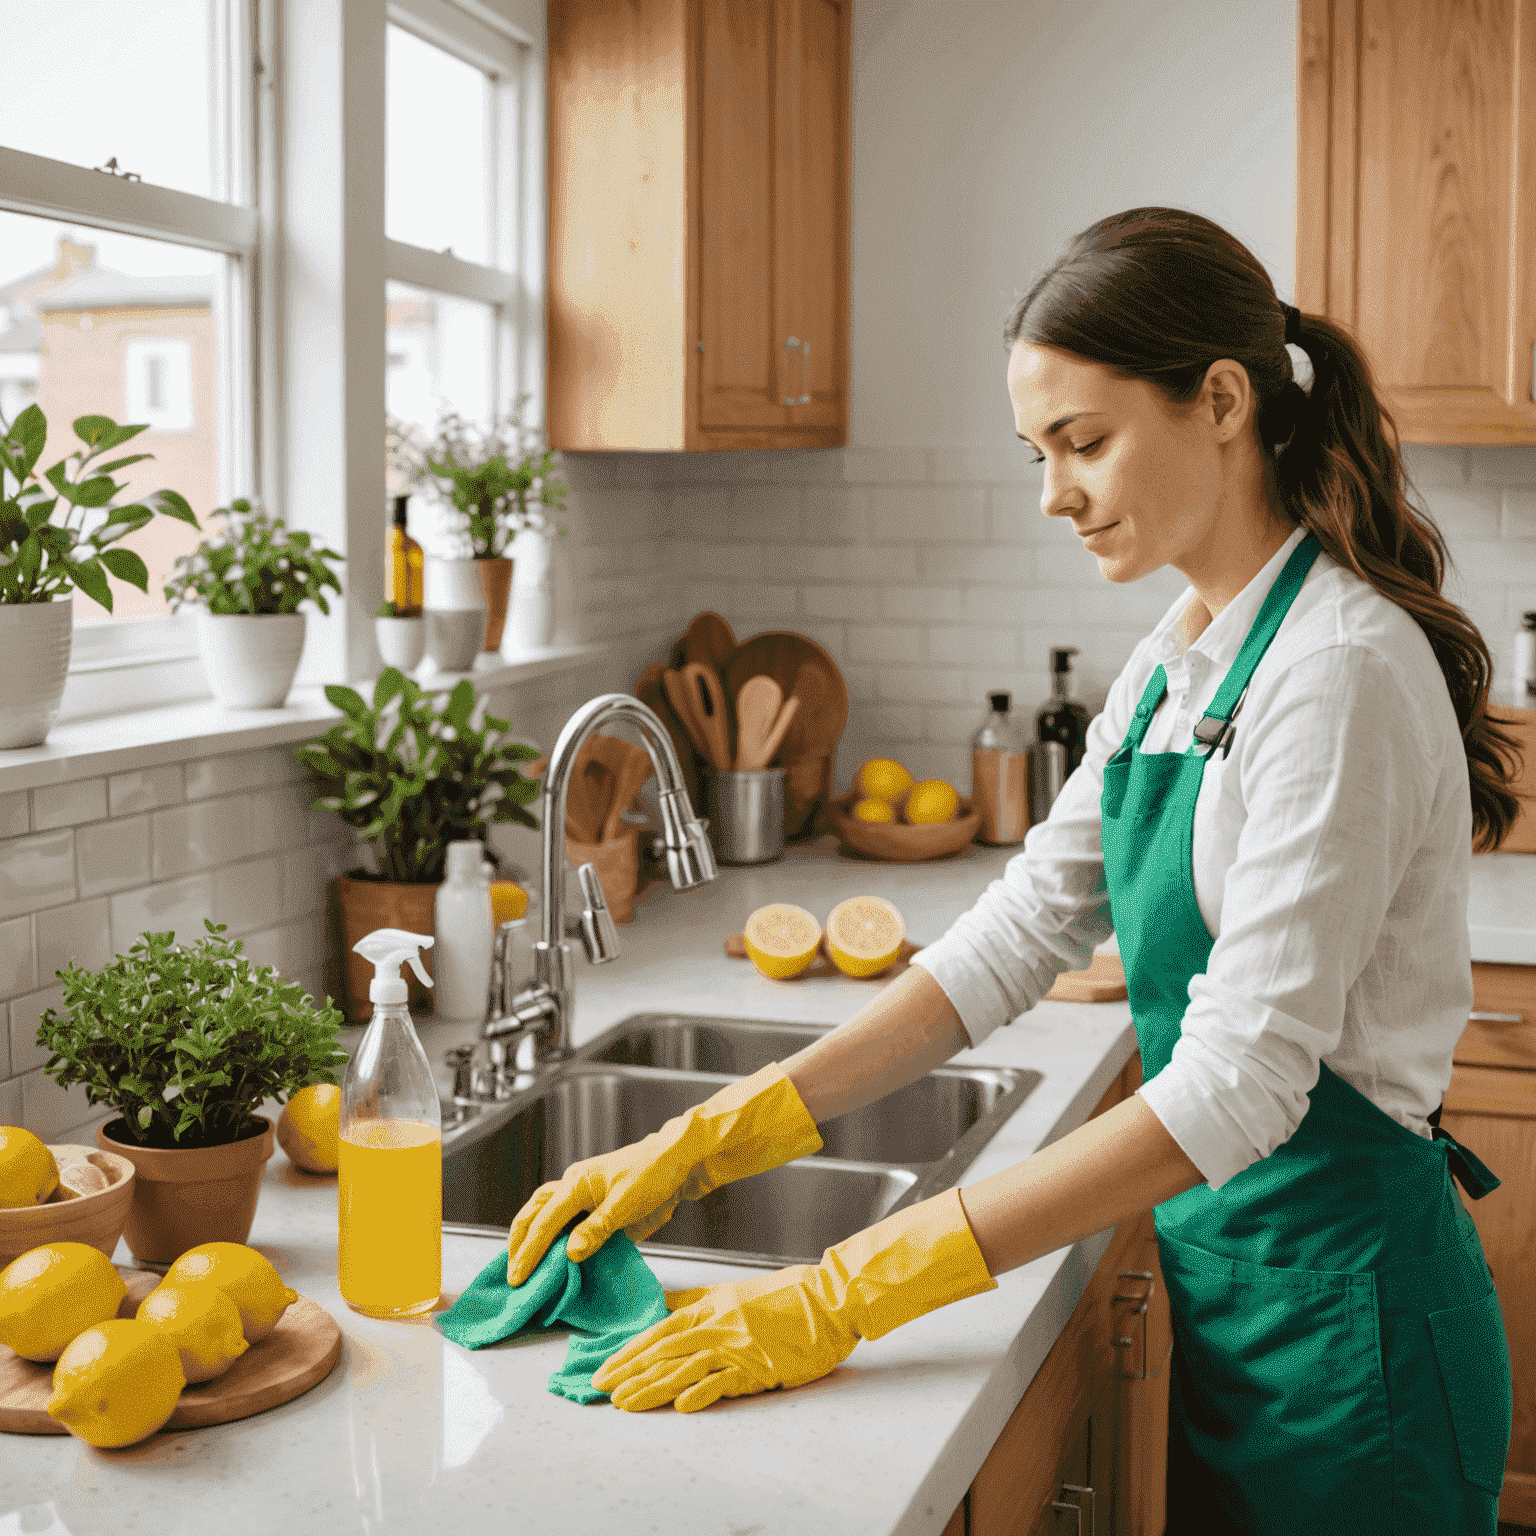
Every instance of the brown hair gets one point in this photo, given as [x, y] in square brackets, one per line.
[1159, 294]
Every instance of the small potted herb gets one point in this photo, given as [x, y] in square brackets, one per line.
[500, 483]
[59, 530]
[411, 777]
[186, 1042]
[248, 581]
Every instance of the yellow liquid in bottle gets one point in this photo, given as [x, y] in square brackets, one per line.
[390, 1212]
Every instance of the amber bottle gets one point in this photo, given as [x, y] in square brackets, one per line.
[403, 567]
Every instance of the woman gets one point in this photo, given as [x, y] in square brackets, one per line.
[1275, 817]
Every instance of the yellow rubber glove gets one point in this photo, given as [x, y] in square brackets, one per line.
[757, 1123]
[791, 1326]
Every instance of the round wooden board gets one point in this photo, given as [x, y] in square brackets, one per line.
[298, 1354]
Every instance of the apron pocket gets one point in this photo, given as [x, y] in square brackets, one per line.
[1473, 1354]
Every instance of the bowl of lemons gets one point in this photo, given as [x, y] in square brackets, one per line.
[62, 1193]
[892, 816]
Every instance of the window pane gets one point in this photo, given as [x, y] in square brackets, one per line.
[439, 356]
[438, 115]
[83, 87]
[101, 324]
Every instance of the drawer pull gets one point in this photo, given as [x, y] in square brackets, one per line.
[1479, 1017]
[1143, 1300]
[1078, 1507]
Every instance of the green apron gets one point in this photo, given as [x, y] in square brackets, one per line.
[1339, 1354]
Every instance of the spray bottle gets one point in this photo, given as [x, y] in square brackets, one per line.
[390, 1178]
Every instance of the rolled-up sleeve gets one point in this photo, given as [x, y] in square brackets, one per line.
[1050, 909]
[1338, 788]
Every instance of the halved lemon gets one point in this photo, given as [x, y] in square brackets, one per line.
[864, 935]
[781, 940]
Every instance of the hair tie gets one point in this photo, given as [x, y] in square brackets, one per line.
[1292, 325]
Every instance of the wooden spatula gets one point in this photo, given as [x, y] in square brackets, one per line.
[683, 698]
[703, 684]
[708, 639]
[757, 707]
[629, 774]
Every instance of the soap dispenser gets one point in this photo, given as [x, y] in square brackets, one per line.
[389, 1189]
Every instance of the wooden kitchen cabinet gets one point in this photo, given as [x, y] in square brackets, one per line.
[1491, 1107]
[698, 223]
[1416, 204]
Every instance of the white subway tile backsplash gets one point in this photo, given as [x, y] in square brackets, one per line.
[918, 685]
[268, 946]
[145, 789]
[15, 818]
[18, 973]
[1011, 567]
[843, 602]
[1519, 519]
[836, 515]
[36, 871]
[80, 933]
[113, 855]
[1429, 467]
[915, 604]
[175, 906]
[226, 775]
[930, 514]
[26, 1015]
[882, 643]
[67, 805]
[50, 1112]
[5, 1060]
[199, 835]
[1484, 564]
[971, 645]
[1491, 466]
[248, 895]
[10, 1102]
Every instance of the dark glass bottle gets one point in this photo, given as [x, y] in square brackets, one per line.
[403, 566]
[1063, 719]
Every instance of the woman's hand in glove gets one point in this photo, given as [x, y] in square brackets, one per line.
[794, 1325]
[756, 1123]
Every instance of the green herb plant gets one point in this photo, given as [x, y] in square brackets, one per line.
[254, 565]
[411, 777]
[501, 479]
[58, 529]
[187, 1041]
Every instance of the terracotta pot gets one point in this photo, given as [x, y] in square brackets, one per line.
[370, 904]
[95, 1219]
[496, 578]
[183, 1197]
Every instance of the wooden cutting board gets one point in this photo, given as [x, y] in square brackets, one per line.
[298, 1354]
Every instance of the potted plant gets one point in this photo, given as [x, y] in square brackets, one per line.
[498, 481]
[401, 637]
[249, 581]
[186, 1042]
[411, 777]
[58, 530]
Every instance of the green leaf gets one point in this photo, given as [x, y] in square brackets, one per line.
[95, 492]
[127, 566]
[347, 700]
[391, 683]
[89, 577]
[123, 463]
[173, 504]
[461, 705]
[100, 432]
[29, 432]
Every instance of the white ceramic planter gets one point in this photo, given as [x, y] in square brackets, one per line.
[34, 642]
[454, 636]
[250, 658]
[531, 612]
[453, 585]
[402, 642]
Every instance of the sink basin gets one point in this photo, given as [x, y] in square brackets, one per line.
[787, 1215]
[647, 1069]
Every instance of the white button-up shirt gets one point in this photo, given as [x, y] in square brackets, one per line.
[1332, 858]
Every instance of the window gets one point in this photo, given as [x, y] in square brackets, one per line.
[127, 246]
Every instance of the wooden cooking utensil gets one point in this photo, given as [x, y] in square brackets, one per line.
[777, 731]
[704, 683]
[650, 691]
[587, 795]
[757, 707]
[684, 701]
[629, 774]
[708, 639]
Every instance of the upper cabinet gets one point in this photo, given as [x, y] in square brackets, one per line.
[1416, 204]
[698, 224]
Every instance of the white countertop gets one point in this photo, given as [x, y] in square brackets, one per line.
[411, 1433]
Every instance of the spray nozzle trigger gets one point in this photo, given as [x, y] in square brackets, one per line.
[389, 949]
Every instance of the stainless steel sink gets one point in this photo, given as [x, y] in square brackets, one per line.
[647, 1069]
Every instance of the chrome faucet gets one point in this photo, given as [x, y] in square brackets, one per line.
[541, 1012]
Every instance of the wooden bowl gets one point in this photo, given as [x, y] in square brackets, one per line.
[898, 843]
[96, 1219]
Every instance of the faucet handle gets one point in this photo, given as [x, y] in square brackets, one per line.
[597, 930]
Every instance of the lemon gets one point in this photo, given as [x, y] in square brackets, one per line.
[117, 1383]
[202, 1322]
[28, 1173]
[864, 935]
[931, 801]
[882, 779]
[509, 902]
[874, 810]
[245, 1276]
[781, 940]
[53, 1292]
[308, 1129]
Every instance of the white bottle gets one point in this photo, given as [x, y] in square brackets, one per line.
[462, 919]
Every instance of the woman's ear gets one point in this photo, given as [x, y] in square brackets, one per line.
[1228, 395]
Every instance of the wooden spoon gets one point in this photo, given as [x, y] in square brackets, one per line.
[629, 777]
[757, 707]
[586, 797]
[708, 639]
[715, 721]
[684, 701]
[651, 692]
[777, 730]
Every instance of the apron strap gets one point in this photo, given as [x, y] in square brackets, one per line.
[1471, 1172]
[1151, 697]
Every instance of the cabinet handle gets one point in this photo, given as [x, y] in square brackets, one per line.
[1078, 1507]
[805, 373]
[1143, 1300]
[791, 344]
[1495, 1018]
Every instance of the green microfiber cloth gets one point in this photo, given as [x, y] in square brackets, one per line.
[605, 1300]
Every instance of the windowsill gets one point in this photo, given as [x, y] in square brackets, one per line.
[145, 738]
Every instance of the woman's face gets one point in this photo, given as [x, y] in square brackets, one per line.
[1141, 480]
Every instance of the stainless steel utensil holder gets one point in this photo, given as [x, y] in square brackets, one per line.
[746, 814]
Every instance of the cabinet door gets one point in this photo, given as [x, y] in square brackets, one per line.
[1140, 1480]
[1493, 1110]
[1070, 1509]
[1416, 204]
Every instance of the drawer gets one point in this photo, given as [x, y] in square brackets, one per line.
[1502, 1029]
